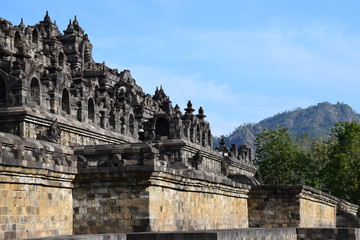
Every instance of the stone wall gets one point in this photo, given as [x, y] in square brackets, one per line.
[155, 187]
[317, 209]
[137, 199]
[109, 202]
[35, 188]
[328, 233]
[348, 207]
[291, 206]
[230, 234]
[346, 215]
[32, 210]
[233, 234]
[184, 204]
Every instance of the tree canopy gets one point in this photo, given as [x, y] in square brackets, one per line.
[332, 163]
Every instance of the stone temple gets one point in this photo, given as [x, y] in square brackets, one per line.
[86, 154]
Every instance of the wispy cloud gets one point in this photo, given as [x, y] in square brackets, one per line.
[242, 75]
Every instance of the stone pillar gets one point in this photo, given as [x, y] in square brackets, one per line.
[55, 102]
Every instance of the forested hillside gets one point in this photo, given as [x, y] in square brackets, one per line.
[315, 121]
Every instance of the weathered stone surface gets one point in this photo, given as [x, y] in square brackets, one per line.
[291, 206]
[238, 234]
[328, 233]
[346, 215]
[35, 189]
[156, 200]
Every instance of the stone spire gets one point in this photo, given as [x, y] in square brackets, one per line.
[22, 25]
[70, 27]
[47, 17]
[76, 23]
[77, 26]
[177, 108]
[160, 94]
[177, 111]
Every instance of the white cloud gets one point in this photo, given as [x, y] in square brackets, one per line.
[243, 76]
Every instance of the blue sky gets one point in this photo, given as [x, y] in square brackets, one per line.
[241, 60]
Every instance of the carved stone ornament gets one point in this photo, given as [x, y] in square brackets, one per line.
[54, 132]
[225, 165]
[223, 149]
[244, 153]
[196, 160]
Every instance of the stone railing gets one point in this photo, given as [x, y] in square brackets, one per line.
[30, 153]
[35, 125]
[348, 207]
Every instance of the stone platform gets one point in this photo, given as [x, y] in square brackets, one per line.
[231, 234]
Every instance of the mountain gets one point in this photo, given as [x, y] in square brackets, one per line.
[315, 121]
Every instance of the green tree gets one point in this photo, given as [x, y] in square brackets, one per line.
[276, 156]
[332, 163]
[315, 157]
[282, 159]
[342, 172]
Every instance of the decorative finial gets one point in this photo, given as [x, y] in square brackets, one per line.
[189, 110]
[75, 22]
[21, 23]
[70, 27]
[222, 141]
[189, 104]
[47, 18]
[201, 111]
[177, 110]
[156, 91]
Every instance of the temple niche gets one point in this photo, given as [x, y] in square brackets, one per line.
[91, 110]
[162, 128]
[65, 101]
[34, 94]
